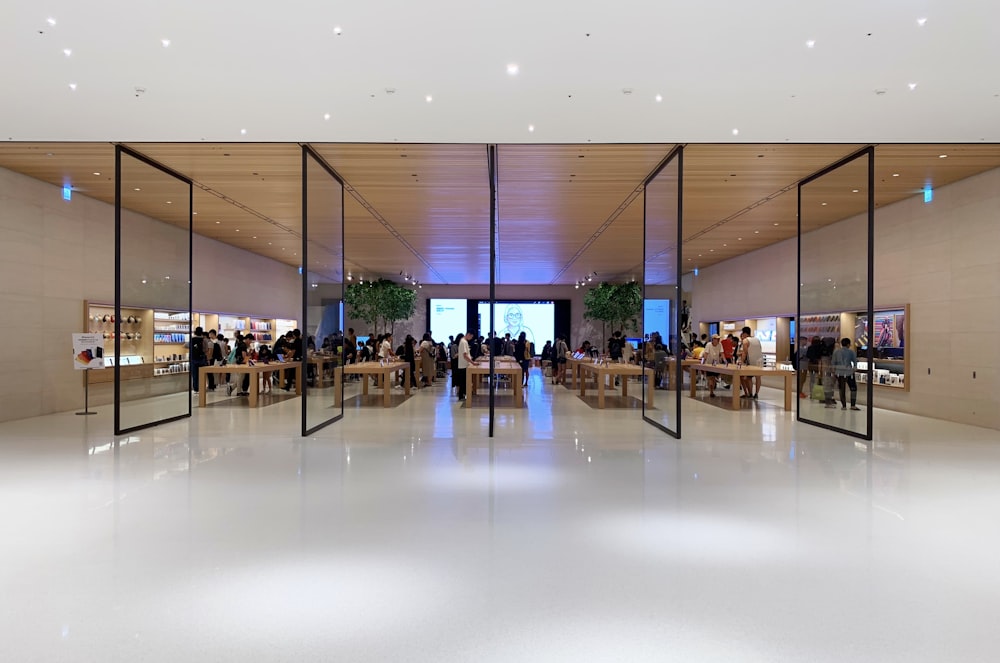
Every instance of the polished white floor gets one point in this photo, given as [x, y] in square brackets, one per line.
[406, 534]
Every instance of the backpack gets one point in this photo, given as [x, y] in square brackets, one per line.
[198, 349]
[527, 350]
[231, 359]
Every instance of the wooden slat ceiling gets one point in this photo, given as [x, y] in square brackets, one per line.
[566, 211]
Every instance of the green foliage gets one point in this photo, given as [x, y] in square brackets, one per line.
[380, 303]
[617, 305]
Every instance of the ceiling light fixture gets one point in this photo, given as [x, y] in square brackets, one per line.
[512, 69]
[243, 132]
[943, 156]
[776, 224]
[165, 42]
[912, 86]
[920, 21]
[854, 190]
[811, 43]
[659, 97]
[50, 20]
[531, 128]
[429, 98]
[137, 189]
[72, 86]
[96, 173]
[67, 52]
[736, 132]
[326, 116]
[895, 174]
[337, 30]
[823, 204]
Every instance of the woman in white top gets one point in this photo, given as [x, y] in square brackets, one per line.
[752, 354]
[385, 350]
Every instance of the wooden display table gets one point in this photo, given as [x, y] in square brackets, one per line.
[670, 369]
[321, 362]
[573, 370]
[602, 372]
[254, 371]
[502, 367]
[365, 369]
[743, 372]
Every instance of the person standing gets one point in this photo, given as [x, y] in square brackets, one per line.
[464, 359]
[844, 363]
[350, 346]
[523, 353]
[199, 357]
[559, 360]
[713, 355]
[428, 354]
[685, 315]
[751, 354]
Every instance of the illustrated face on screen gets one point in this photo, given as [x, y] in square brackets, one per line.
[513, 318]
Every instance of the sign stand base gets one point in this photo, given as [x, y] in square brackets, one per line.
[86, 393]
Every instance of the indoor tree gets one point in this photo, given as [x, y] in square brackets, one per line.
[380, 303]
[615, 305]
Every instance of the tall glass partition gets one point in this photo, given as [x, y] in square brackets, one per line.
[663, 227]
[322, 293]
[154, 363]
[835, 263]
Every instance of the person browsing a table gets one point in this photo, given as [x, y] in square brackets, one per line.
[464, 359]
[713, 355]
[752, 355]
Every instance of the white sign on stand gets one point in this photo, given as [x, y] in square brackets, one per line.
[88, 351]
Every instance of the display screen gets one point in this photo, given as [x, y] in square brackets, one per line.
[448, 317]
[767, 334]
[656, 318]
[535, 319]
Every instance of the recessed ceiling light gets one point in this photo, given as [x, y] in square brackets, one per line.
[895, 174]
[429, 98]
[659, 97]
[739, 239]
[512, 69]
[218, 222]
[137, 189]
[756, 232]
[165, 42]
[337, 30]
[254, 237]
[50, 20]
[96, 173]
[811, 43]
[912, 86]
[724, 245]
[823, 204]
[736, 132]
[711, 250]
[326, 116]
[776, 224]
[920, 21]
[531, 128]
[854, 190]
[67, 52]
[237, 230]
[195, 213]
[72, 86]
[943, 156]
[170, 202]
[144, 280]
[699, 255]
[243, 132]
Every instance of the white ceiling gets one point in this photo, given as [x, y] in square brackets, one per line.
[275, 69]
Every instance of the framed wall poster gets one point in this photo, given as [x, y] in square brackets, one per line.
[88, 351]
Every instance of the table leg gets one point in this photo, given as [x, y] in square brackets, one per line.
[386, 391]
[583, 385]
[365, 379]
[736, 393]
[624, 379]
[694, 381]
[202, 388]
[518, 389]
[254, 388]
[406, 380]
[600, 390]
[470, 386]
[788, 391]
[650, 390]
[338, 386]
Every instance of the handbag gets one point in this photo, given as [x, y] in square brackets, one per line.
[817, 393]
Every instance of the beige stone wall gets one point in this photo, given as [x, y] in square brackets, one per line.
[54, 254]
[943, 258]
